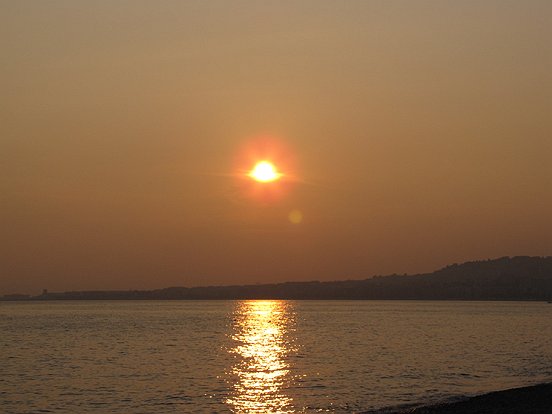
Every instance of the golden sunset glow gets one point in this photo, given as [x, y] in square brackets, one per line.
[265, 172]
[261, 368]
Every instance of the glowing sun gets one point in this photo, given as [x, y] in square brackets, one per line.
[265, 172]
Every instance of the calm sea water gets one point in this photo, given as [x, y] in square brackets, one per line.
[264, 356]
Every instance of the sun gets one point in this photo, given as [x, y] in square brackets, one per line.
[264, 172]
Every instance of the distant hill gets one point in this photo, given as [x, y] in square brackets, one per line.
[506, 278]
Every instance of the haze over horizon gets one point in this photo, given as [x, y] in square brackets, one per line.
[410, 135]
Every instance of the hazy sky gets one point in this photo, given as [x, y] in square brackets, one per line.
[418, 133]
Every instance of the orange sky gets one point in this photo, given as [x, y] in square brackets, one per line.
[414, 133]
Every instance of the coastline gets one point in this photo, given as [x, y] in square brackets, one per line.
[519, 278]
[535, 399]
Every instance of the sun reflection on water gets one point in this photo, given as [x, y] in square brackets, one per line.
[261, 346]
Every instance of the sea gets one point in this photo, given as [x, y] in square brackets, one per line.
[264, 356]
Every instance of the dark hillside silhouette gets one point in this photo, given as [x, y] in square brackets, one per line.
[516, 278]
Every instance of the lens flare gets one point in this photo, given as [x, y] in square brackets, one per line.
[295, 216]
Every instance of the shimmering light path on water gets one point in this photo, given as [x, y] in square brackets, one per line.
[261, 372]
[264, 356]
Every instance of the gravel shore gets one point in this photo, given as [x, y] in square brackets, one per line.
[535, 399]
[527, 400]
